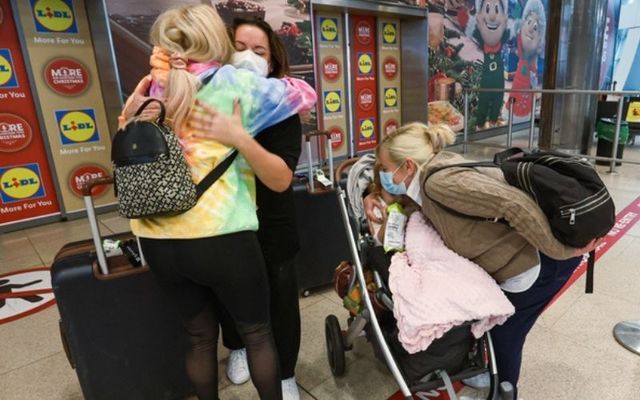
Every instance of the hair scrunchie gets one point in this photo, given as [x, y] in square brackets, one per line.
[178, 61]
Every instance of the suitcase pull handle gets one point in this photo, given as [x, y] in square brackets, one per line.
[93, 221]
[307, 138]
[88, 185]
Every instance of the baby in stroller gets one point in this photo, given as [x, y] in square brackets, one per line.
[454, 356]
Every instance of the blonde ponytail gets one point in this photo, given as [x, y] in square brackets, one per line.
[416, 141]
[439, 136]
[195, 33]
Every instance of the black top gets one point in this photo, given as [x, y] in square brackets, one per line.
[278, 233]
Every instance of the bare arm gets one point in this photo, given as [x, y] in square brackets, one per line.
[228, 129]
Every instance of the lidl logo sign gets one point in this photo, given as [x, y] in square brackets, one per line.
[389, 33]
[77, 126]
[332, 101]
[54, 16]
[8, 78]
[365, 63]
[390, 97]
[328, 29]
[21, 182]
[367, 128]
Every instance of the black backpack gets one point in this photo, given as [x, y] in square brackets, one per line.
[568, 190]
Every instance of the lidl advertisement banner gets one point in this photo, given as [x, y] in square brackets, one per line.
[26, 186]
[65, 73]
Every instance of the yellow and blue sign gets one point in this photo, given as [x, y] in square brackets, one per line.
[329, 29]
[365, 64]
[367, 128]
[390, 97]
[8, 78]
[77, 126]
[389, 33]
[21, 182]
[54, 16]
[332, 101]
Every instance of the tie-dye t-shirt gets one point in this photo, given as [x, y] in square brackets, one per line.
[228, 206]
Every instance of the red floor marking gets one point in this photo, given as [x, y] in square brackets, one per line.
[625, 220]
[431, 395]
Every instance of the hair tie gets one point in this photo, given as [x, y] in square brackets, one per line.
[178, 61]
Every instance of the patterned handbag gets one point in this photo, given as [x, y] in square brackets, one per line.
[151, 175]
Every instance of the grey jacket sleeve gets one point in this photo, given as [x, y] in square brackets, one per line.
[488, 195]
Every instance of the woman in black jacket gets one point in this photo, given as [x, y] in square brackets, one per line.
[276, 151]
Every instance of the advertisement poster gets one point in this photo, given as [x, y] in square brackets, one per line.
[330, 38]
[627, 53]
[365, 88]
[389, 79]
[609, 45]
[130, 24]
[489, 44]
[26, 187]
[60, 49]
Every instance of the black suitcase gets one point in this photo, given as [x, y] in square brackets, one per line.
[121, 334]
[323, 240]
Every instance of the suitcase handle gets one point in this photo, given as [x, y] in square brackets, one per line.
[307, 138]
[93, 221]
[90, 184]
[309, 135]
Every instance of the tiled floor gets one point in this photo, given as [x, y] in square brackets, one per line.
[570, 354]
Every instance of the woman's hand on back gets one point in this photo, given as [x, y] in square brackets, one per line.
[134, 102]
[592, 245]
[212, 124]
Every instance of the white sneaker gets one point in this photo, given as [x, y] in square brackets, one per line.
[290, 389]
[237, 367]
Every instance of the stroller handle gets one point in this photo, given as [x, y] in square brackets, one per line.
[391, 363]
[344, 166]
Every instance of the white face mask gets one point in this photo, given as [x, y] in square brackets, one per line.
[247, 59]
[413, 191]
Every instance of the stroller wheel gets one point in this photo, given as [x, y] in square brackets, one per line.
[335, 345]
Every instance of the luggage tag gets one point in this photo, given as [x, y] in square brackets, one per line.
[322, 178]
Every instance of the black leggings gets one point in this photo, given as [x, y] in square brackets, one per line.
[230, 269]
[285, 316]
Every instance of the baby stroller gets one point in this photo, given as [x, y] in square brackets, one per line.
[455, 356]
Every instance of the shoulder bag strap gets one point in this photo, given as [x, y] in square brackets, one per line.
[451, 210]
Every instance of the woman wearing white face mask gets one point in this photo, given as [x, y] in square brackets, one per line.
[273, 155]
[522, 255]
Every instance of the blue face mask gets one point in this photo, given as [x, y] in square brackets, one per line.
[386, 179]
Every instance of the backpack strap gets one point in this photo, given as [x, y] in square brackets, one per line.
[216, 173]
[451, 210]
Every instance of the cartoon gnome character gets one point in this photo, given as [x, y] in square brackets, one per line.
[491, 32]
[531, 30]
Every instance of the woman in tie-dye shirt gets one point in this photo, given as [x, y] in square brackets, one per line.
[211, 251]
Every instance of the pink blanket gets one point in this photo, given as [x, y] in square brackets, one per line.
[435, 289]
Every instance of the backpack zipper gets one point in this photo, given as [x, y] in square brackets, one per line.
[593, 197]
[572, 213]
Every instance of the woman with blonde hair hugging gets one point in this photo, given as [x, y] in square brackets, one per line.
[211, 253]
[463, 205]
